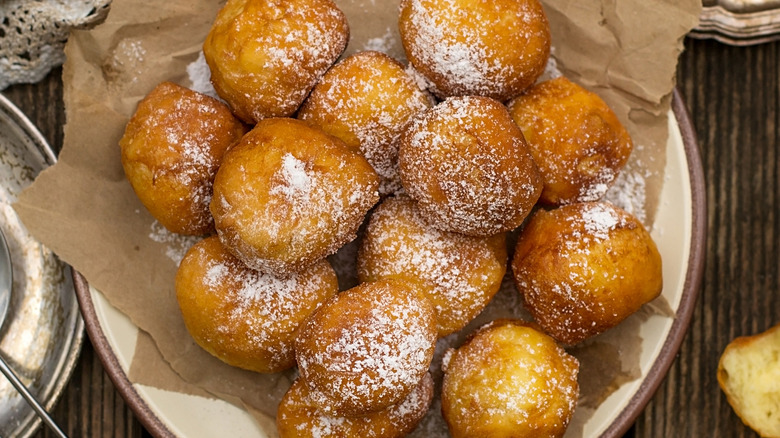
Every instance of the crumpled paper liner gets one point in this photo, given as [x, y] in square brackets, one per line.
[84, 209]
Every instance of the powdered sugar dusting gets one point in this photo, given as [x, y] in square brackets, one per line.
[419, 79]
[599, 220]
[629, 192]
[462, 273]
[414, 406]
[199, 75]
[381, 43]
[463, 58]
[465, 151]
[295, 181]
[324, 426]
[377, 358]
[177, 245]
[464, 63]
[551, 70]
[510, 372]
[367, 100]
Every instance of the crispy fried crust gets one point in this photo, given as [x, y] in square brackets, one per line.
[171, 150]
[575, 138]
[583, 268]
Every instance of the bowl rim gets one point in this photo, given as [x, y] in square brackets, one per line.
[622, 421]
[693, 278]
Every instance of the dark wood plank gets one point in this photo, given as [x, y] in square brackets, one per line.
[43, 105]
[733, 95]
[91, 406]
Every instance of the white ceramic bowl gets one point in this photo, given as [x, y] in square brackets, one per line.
[679, 232]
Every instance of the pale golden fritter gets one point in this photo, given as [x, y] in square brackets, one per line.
[494, 48]
[509, 380]
[266, 55]
[244, 317]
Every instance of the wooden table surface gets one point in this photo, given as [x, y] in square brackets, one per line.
[733, 94]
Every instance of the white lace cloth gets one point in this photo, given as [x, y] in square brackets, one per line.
[33, 34]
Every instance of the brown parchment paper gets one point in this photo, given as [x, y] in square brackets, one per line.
[86, 212]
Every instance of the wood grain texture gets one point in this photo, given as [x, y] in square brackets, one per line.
[733, 94]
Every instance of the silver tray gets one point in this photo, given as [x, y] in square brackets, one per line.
[43, 331]
[739, 22]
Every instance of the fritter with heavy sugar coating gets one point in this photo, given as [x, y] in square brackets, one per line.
[367, 348]
[467, 165]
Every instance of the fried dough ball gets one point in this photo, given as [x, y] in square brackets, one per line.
[266, 55]
[367, 100]
[289, 194]
[367, 348]
[459, 274]
[299, 417]
[749, 376]
[583, 268]
[171, 149]
[244, 317]
[509, 380]
[467, 165]
[492, 48]
[576, 140]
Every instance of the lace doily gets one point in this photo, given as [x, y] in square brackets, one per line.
[33, 34]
